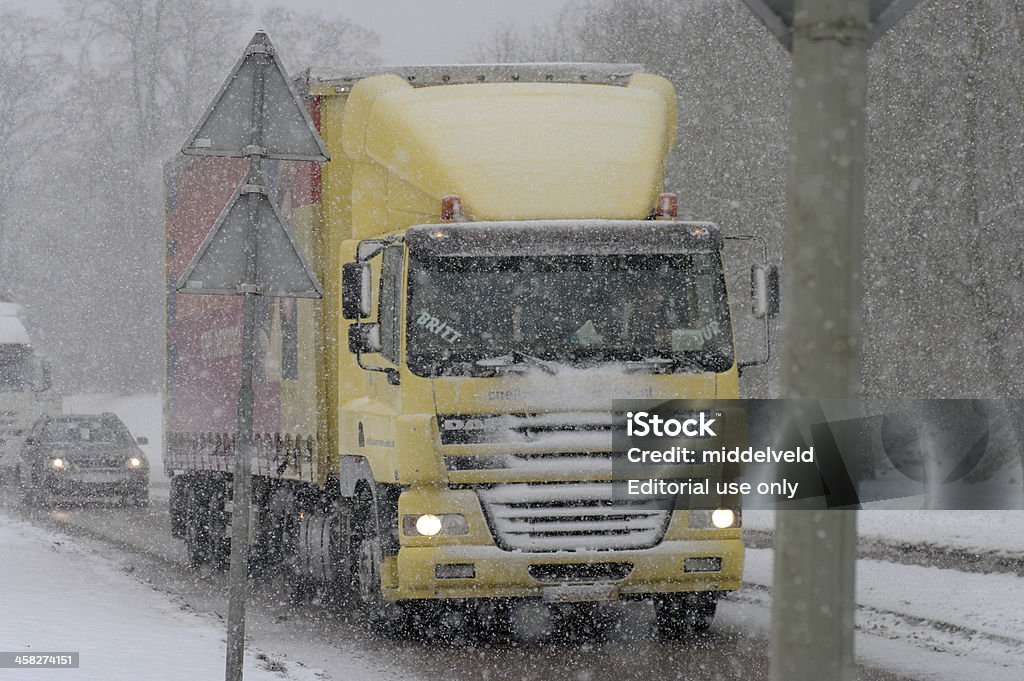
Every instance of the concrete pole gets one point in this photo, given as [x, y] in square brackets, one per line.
[813, 604]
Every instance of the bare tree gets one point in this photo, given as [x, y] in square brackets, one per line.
[26, 62]
[316, 39]
[139, 74]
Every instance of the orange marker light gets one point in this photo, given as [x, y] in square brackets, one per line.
[451, 208]
[668, 206]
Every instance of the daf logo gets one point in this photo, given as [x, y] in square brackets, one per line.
[463, 424]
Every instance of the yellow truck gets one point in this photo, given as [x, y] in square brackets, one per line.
[499, 262]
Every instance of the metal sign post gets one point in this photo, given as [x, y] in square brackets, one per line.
[813, 601]
[250, 252]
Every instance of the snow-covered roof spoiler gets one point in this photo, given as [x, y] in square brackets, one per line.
[456, 74]
[563, 237]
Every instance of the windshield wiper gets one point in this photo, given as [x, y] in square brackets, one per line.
[516, 358]
[649, 363]
[664, 364]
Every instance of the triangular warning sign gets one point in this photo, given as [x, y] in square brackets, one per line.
[777, 16]
[220, 265]
[227, 127]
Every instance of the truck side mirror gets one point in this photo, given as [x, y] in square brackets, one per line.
[764, 291]
[355, 290]
[363, 338]
[43, 376]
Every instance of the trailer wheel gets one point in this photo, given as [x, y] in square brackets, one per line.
[686, 615]
[177, 501]
[196, 527]
[219, 528]
[283, 551]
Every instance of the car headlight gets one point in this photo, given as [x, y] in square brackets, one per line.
[58, 462]
[431, 525]
[134, 462]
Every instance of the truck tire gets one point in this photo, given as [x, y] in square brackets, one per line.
[177, 500]
[284, 536]
[684, 616]
[206, 527]
[220, 540]
[380, 615]
[196, 527]
[337, 588]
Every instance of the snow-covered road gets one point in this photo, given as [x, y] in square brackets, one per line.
[111, 583]
[132, 545]
[57, 596]
[915, 622]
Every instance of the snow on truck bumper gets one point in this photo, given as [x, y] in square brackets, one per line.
[672, 566]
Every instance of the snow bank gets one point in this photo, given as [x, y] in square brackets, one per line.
[927, 622]
[980, 531]
[59, 598]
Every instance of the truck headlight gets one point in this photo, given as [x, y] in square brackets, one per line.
[58, 462]
[134, 462]
[723, 518]
[431, 525]
[720, 518]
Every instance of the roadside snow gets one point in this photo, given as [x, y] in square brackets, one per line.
[960, 625]
[999, 532]
[56, 597]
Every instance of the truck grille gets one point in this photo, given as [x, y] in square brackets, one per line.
[571, 517]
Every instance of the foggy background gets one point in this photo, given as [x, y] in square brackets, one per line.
[96, 95]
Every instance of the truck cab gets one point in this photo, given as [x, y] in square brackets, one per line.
[24, 380]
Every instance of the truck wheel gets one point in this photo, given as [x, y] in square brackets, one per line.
[281, 520]
[197, 536]
[339, 577]
[176, 504]
[220, 540]
[384, 617]
[686, 615]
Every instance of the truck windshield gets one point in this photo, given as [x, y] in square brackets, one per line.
[15, 368]
[476, 316]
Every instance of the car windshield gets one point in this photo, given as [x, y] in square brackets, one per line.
[85, 430]
[15, 368]
[478, 315]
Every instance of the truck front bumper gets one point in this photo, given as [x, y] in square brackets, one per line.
[672, 566]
